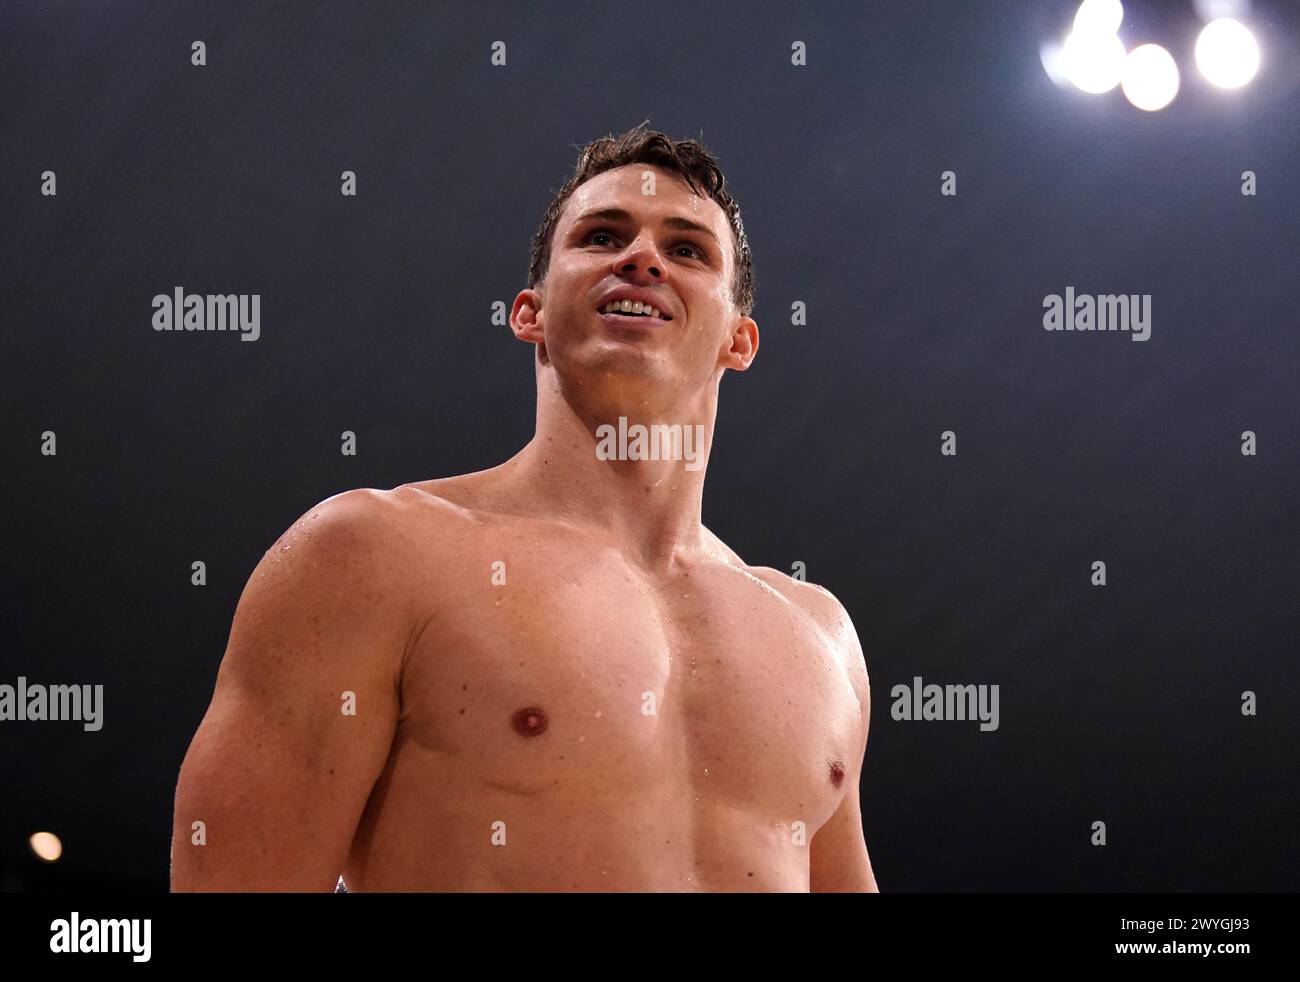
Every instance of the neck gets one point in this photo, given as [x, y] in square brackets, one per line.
[650, 508]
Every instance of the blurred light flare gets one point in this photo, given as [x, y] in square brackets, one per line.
[47, 846]
[1227, 53]
[1150, 77]
[1052, 55]
[1093, 59]
[1209, 10]
[1098, 17]
[1094, 62]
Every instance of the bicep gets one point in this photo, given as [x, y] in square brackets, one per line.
[301, 721]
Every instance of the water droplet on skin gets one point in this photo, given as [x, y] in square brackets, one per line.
[286, 547]
[496, 603]
[599, 713]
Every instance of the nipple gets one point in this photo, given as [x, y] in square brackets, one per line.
[837, 773]
[530, 721]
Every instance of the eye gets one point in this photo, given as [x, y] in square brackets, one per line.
[698, 253]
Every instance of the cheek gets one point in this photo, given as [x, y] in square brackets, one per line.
[560, 323]
[704, 325]
[565, 302]
[712, 304]
[700, 346]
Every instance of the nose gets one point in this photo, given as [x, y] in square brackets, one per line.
[640, 256]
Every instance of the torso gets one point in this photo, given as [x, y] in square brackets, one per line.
[589, 726]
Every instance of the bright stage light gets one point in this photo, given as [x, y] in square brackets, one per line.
[1052, 55]
[46, 845]
[1098, 17]
[1094, 62]
[1226, 53]
[1209, 10]
[1150, 77]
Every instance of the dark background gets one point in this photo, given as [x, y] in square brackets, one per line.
[1119, 704]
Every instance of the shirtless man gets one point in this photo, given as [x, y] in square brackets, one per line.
[549, 675]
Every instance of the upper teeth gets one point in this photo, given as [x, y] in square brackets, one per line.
[630, 307]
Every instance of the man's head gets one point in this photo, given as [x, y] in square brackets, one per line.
[642, 214]
[688, 160]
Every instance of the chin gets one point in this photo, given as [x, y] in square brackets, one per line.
[618, 369]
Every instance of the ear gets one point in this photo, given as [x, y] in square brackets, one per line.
[742, 345]
[526, 317]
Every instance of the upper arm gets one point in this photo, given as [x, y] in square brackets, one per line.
[279, 772]
[839, 861]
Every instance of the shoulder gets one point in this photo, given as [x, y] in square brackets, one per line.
[825, 610]
[366, 520]
[400, 541]
[359, 568]
[352, 525]
[820, 606]
[817, 602]
[366, 540]
[335, 551]
[326, 592]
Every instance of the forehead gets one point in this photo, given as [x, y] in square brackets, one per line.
[624, 187]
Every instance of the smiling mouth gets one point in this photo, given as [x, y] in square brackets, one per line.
[629, 310]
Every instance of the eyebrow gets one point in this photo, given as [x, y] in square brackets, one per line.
[619, 215]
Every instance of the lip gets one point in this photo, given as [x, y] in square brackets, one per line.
[644, 297]
[629, 320]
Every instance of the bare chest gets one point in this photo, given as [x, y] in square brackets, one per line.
[553, 667]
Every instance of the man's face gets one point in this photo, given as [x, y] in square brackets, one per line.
[675, 249]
